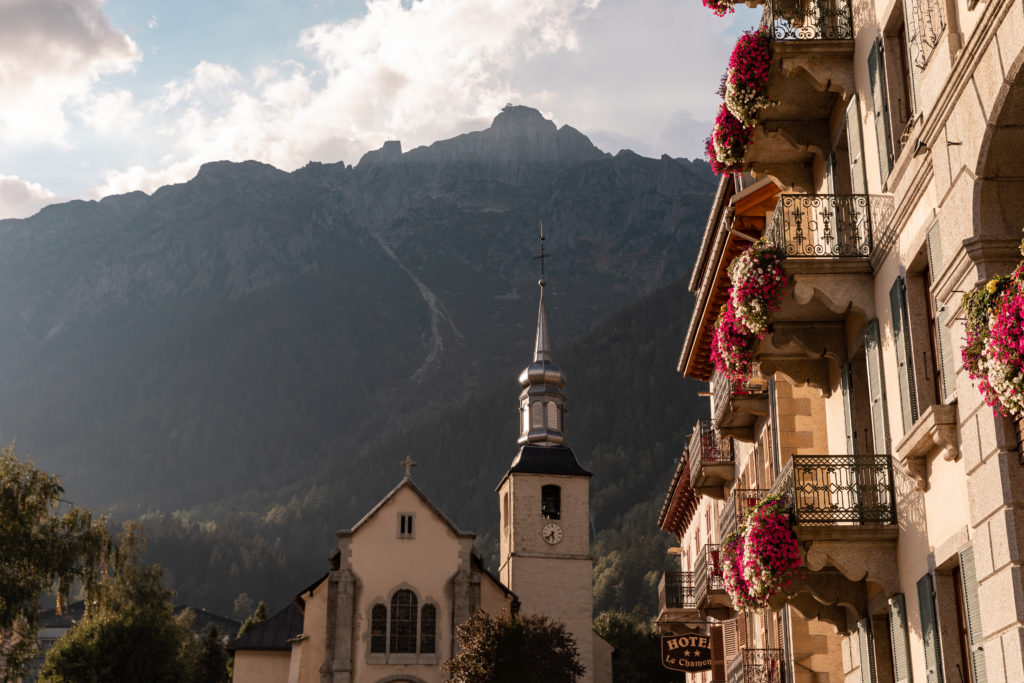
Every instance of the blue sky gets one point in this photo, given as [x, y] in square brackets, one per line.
[108, 97]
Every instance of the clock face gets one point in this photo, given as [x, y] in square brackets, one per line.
[551, 533]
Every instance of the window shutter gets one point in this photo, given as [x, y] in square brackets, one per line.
[742, 637]
[929, 629]
[718, 654]
[969, 579]
[876, 73]
[858, 177]
[900, 639]
[867, 655]
[944, 336]
[876, 388]
[846, 384]
[904, 354]
[731, 647]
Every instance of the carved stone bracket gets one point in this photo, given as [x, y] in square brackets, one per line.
[871, 561]
[936, 431]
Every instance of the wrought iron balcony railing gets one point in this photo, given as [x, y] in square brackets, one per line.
[808, 19]
[707, 572]
[675, 591]
[706, 446]
[723, 390]
[839, 490]
[756, 666]
[822, 225]
[737, 507]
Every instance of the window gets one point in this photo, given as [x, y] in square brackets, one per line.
[379, 629]
[428, 625]
[904, 353]
[551, 502]
[504, 513]
[405, 525]
[403, 621]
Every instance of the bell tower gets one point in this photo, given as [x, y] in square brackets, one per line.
[544, 501]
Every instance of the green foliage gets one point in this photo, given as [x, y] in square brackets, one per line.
[637, 657]
[129, 633]
[257, 618]
[41, 549]
[207, 659]
[513, 648]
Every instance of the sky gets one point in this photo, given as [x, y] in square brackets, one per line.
[102, 98]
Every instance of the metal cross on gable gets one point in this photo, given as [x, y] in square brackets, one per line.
[408, 464]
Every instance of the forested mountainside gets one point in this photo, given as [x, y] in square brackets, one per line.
[243, 331]
[629, 416]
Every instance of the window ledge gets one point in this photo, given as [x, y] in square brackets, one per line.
[934, 432]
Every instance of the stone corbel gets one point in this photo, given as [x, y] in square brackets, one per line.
[874, 562]
[800, 371]
[936, 431]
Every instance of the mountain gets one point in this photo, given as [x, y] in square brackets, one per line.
[233, 335]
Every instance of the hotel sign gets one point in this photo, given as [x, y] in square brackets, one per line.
[689, 653]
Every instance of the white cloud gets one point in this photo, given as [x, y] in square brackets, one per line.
[111, 111]
[415, 71]
[53, 51]
[20, 198]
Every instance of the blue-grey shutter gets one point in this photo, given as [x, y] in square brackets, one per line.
[943, 335]
[969, 581]
[867, 651]
[876, 388]
[904, 354]
[855, 144]
[849, 411]
[929, 629]
[880, 103]
[900, 639]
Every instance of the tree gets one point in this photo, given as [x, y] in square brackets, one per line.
[257, 618]
[41, 549]
[207, 658]
[513, 648]
[637, 646]
[129, 632]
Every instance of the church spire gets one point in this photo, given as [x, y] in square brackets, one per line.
[541, 403]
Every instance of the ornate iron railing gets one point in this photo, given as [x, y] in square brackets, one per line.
[831, 490]
[826, 225]
[757, 666]
[723, 389]
[706, 446]
[808, 19]
[676, 591]
[707, 572]
[737, 507]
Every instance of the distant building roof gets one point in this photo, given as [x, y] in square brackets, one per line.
[275, 634]
[225, 625]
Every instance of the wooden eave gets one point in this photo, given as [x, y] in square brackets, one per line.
[750, 209]
[680, 501]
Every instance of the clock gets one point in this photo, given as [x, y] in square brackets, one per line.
[551, 533]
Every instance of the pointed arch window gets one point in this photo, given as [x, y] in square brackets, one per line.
[428, 629]
[551, 502]
[379, 628]
[403, 621]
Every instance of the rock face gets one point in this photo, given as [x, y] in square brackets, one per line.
[231, 332]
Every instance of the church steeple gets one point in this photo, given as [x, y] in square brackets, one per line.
[542, 403]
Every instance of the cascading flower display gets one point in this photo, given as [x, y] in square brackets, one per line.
[719, 7]
[728, 143]
[747, 77]
[993, 350]
[732, 345]
[757, 284]
[762, 556]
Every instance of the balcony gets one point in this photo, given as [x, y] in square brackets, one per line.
[811, 72]
[676, 603]
[738, 405]
[844, 515]
[708, 589]
[827, 243]
[737, 506]
[712, 462]
[756, 666]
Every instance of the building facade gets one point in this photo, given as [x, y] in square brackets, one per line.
[887, 173]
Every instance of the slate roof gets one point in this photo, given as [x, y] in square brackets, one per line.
[546, 460]
[275, 634]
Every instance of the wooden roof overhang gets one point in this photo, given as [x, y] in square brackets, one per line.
[680, 501]
[735, 231]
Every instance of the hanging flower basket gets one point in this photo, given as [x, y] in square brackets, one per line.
[757, 284]
[728, 143]
[993, 350]
[732, 345]
[719, 7]
[762, 556]
[747, 77]
[732, 571]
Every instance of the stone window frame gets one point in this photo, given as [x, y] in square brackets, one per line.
[389, 657]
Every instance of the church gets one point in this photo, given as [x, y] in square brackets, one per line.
[404, 577]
